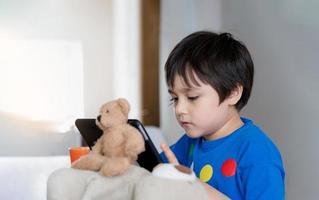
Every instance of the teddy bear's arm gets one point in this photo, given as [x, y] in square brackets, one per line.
[97, 148]
[89, 162]
[134, 142]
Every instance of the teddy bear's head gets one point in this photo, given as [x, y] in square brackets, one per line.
[113, 113]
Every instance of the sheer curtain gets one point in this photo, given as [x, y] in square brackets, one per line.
[126, 45]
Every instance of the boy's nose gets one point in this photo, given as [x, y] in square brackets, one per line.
[180, 108]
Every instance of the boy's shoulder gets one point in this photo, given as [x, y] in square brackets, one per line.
[255, 146]
[251, 133]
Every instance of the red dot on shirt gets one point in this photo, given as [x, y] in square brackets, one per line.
[229, 167]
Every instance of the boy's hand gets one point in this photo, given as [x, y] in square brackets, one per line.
[213, 194]
[169, 154]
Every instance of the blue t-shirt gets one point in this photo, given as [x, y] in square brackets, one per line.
[243, 165]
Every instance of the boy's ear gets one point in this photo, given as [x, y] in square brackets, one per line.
[235, 95]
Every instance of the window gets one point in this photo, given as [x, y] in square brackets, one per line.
[42, 80]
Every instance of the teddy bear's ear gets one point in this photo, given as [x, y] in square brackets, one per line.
[124, 104]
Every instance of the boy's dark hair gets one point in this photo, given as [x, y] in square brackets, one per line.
[217, 59]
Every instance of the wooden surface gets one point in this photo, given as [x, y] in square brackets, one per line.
[150, 24]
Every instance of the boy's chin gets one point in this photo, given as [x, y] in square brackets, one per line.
[193, 133]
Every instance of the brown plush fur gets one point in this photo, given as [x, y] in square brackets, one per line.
[119, 145]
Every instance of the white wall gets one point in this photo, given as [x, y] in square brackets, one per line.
[88, 22]
[283, 39]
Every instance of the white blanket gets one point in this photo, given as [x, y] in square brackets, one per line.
[73, 184]
[135, 184]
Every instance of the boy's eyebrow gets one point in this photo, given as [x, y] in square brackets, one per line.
[170, 91]
[185, 90]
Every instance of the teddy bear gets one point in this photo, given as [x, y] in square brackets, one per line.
[119, 145]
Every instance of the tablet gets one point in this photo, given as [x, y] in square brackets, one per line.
[91, 132]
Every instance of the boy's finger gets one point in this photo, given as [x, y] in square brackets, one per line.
[169, 154]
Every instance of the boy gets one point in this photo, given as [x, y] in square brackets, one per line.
[210, 77]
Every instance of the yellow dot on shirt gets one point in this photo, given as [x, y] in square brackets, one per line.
[206, 173]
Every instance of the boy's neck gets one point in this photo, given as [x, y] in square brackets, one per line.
[229, 127]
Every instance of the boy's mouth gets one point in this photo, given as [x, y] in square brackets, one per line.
[185, 124]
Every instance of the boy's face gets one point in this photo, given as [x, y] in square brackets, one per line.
[199, 112]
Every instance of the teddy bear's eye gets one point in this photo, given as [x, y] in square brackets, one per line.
[107, 111]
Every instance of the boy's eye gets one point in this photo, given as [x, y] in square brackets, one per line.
[193, 98]
[173, 99]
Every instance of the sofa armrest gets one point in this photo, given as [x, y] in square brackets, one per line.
[26, 177]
